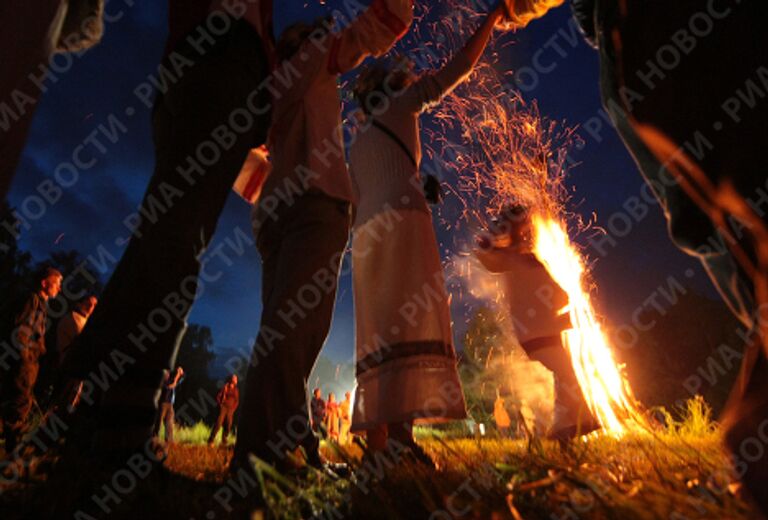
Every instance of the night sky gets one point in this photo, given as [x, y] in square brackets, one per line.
[90, 213]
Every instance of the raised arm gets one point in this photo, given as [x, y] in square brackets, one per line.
[432, 87]
[372, 33]
[494, 260]
[502, 259]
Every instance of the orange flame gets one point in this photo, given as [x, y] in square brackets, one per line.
[603, 384]
[518, 157]
[505, 153]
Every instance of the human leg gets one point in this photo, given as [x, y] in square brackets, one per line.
[217, 426]
[571, 412]
[142, 313]
[301, 255]
[169, 421]
[229, 416]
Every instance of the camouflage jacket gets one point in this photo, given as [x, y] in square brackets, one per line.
[29, 325]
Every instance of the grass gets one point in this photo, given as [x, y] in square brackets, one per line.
[196, 434]
[677, 472]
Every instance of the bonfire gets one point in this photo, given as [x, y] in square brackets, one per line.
[517, 157]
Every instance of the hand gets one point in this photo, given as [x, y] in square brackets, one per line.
[503, 8]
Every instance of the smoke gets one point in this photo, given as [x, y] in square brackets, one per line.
[527, 387]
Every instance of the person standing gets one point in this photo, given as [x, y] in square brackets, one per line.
[23, 344]
[405, 359]
[301, 224]
[345, 418]
[205, 122]
[697, 152]
[167, 401]
[317, 411]
[69, 327]
[332, 417]
[228, 398]
[534, 300]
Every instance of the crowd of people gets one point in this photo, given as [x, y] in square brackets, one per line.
[311, 199]
[331, 419]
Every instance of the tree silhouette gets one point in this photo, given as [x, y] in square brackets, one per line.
[692, 345]
[488, 351]
[15, 265]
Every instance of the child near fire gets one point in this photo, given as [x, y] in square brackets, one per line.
[534, 301]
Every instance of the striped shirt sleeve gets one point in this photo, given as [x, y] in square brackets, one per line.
[372, 33]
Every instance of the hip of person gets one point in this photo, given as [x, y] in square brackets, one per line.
[311, 206]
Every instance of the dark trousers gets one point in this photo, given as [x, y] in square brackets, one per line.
[301, 255]
[697, 126]
[167, 418]
[17, 395]
[570, 406]
[142, 313]
[226, 416]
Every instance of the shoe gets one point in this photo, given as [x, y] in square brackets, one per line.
[417, 454]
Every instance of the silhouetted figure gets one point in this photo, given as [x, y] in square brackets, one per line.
[405, 359]
[317, 411]
[214, 110]
[69, 328]
[535, 302]
[31, 33]
[698, 129]
[23, 343]
[167, 415]
[301, 224]
[228, 398]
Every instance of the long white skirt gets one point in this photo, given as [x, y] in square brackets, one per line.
[406, 363]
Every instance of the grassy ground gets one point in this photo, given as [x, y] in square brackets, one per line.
[676, 473]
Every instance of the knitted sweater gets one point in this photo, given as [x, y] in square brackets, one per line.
[383, 176]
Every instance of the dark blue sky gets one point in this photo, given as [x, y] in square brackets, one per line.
[90, 213]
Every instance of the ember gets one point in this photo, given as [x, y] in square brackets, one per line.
[517, 157]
